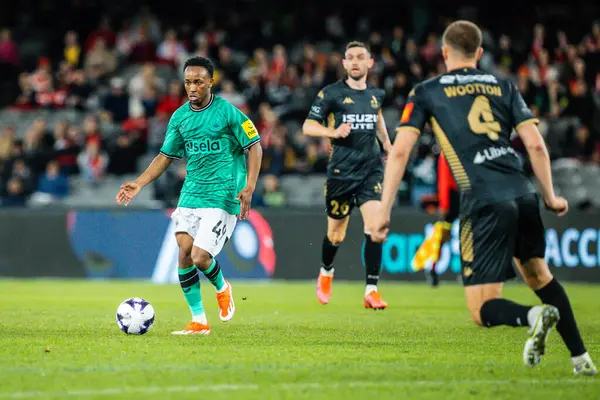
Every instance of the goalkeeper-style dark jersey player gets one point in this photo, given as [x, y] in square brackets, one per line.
[349, 113]
[472, 114]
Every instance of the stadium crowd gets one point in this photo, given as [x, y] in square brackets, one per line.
[110, 92]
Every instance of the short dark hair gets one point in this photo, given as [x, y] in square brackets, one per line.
[200, 61]
[356, 43]
[463, 36]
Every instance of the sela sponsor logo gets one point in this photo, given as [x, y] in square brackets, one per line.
[361, 121]
[193, 147]
[492, 153]
[458, 79]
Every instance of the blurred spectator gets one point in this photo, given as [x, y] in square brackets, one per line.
[170, 50]
[115, 104]
[228, 66]
[580, 144]
[52, 185]
[126, 39]
[38, 145]
[23, 172]
[41, 78]
[79, 90]
[147, 22]
[91, 130]
[72, 50]
[397, 44]
[172, 100]
[100, 61]
[144, 49]
[144, 78]
[66, 147]
[26, 99]
[93, 162]
[103, 32]
[15, 196]
[431, 50]
[157, 126]
[150, 101]
[7, 138]
[9, 50]
[272, 195]
[229, 93]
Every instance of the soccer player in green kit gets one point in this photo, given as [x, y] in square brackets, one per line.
[214, 136]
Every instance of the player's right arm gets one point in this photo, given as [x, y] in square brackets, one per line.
[538, 153]
[172, 149]
[318, 114]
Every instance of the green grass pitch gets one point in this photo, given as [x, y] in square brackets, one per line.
[59, 339]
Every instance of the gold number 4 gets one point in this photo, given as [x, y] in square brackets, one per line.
[481, 119]
[337, 209]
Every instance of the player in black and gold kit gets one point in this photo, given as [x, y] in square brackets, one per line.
[349, 113]
[472, 114]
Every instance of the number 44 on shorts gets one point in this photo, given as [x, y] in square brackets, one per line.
[217, 230]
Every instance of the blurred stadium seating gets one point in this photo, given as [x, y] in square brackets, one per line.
[124, 68]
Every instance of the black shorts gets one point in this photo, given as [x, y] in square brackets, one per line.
[495, 233]
[341, 196]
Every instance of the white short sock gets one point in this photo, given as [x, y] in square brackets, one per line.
[585, 357]
[324, 272]
[533, 314]
[370, 288]
[200, 318]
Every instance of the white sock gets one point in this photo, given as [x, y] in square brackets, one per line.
[533, 314]
[200, 318]
[585, 357]
[324, 272]
[370, 288]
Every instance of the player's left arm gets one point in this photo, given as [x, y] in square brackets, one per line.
[253, 162]
[382, 133]
[247, 136]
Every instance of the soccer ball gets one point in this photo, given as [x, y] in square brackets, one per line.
[135, 316]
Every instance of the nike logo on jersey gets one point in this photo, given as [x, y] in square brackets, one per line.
[492, 153]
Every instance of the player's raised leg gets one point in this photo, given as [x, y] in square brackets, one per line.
[190, 285]
[537, 275]
[372, 257]
[336, 233]
[215, 227]
[487, 243]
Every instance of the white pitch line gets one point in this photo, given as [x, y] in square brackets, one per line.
[289, 385]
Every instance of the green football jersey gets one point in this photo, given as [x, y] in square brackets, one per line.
[213, 140]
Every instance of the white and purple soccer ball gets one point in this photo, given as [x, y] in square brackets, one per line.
[135, 316]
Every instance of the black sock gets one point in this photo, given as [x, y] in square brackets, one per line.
[372, 256]
[328, 253]
[554, 294]
[496, 312]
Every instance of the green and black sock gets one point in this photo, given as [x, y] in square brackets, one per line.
[215, 275]
[190, 284]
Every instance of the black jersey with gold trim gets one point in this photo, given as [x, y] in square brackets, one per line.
[472, 114]
[359, 154]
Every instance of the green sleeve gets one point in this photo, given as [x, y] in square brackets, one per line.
[173, 146]
[242, 127]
